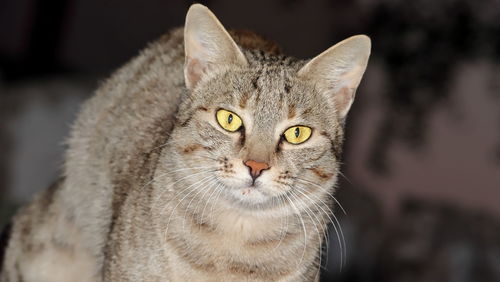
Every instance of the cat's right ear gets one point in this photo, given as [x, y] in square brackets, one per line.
[338, 71]
[206, 44]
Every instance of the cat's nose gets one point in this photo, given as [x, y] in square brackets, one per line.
[256, 168]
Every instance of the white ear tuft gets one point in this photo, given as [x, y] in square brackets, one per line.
[338, 70]
[206, 44]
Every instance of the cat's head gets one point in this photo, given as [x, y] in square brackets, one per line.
[261, 130]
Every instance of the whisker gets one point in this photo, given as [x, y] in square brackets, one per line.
[178, 180]
[313, 221]
[335, 217]
[342, 246]
[209, 157]
[334, 225]
[199, 183]
[165, 174]
[221, 190]
[282, 234]
[345, 177]
[215, 191]
[190, 202]
[191, 168]
[184, 178]
[321, 187]
[160, 146]
[303, 228]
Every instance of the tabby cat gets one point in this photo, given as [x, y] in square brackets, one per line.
[209, 157]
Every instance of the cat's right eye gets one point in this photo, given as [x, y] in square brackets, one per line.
[297, 134]
[228, 120]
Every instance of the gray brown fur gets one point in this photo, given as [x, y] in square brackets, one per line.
[124, 209]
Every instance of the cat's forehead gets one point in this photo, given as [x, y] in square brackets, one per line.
[269, 94]
[268, 91]
[273, 90]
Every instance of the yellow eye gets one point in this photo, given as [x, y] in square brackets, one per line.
[297, 134]
[229, 120]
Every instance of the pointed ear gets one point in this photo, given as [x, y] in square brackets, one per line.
[206, 44]
[338, 71]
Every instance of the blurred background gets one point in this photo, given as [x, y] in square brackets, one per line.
[422, 157]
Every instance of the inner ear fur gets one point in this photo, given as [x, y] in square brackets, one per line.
[338, 71]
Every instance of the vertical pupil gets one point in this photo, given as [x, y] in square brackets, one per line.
[297, 132]
[230, 118]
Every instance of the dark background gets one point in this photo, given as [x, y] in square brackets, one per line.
[422, 156]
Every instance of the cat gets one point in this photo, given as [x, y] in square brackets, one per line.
[210, 156]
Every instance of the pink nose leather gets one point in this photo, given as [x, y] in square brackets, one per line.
[256, 168]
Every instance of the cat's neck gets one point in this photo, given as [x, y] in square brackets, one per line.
[220, 238]
[229, 223]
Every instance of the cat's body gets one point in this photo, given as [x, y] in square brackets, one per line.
[152, 190]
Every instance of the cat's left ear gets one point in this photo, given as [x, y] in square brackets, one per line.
[338, 71]
[207, 44]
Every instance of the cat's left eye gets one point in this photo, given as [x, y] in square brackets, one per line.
[297, 134]
[229, 120]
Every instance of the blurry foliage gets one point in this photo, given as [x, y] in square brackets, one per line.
[422, 42]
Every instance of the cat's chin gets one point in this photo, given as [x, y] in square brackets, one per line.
[250, 194]
[244, 194]
[250, 198]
